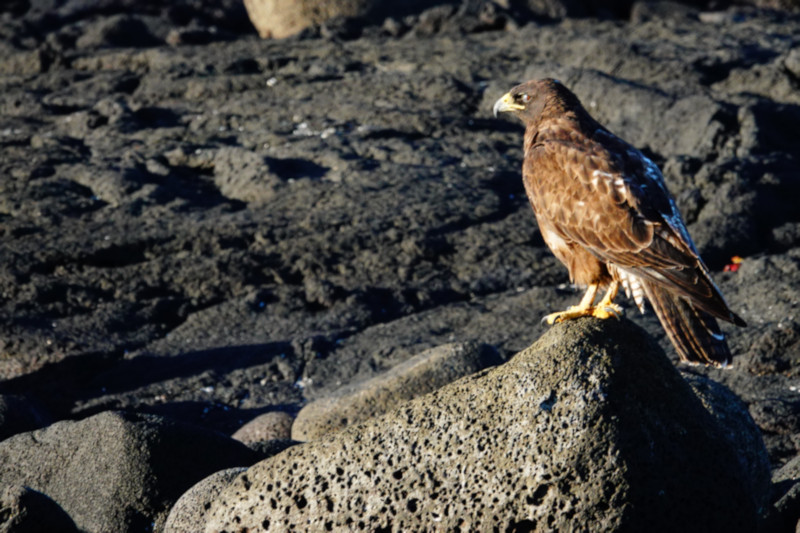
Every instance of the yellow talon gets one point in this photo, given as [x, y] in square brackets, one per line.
[571, 313]
[604, 309]
[607, 311]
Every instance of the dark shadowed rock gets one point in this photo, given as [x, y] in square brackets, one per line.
[739, 429]
[418, 375]
[24, 510]
[784, 514]
[17, 414]
[591, 428]
[117, 471]
[662, 11]
[119, 30]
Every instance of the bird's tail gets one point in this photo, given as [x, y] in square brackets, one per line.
[694, 332]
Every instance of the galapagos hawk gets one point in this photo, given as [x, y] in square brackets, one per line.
[605, 212]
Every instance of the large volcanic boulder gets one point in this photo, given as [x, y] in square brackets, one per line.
[590, 428]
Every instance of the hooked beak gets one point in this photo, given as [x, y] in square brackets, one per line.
[505, 104]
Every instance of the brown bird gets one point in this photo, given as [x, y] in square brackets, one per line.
[605, 212]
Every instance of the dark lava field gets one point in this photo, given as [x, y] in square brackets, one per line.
[201, 224]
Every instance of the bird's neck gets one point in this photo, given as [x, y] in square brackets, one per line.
[557, 119]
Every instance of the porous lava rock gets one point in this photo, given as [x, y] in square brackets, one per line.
[116, 471]
[418, 375]
[191, 508]
[590, 428]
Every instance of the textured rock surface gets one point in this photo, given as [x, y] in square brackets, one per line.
[269, 426]
[590, 428]
[191, 508]
[421, 374]
[268, 448]
[116, 472]
[24, 510]
[784, 514]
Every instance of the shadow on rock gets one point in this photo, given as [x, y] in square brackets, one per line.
[88, 385]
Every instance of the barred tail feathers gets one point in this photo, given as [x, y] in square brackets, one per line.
[694, 332]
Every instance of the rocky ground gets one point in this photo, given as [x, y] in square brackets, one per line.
[205, 226]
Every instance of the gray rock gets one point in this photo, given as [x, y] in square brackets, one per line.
[784, 515]
[269, 426]
[776, 350]
[268, 448]
[24, 510]
[777, 415]
[281, 18]
[788, 472]
[556, 9]
[191, 508]
[662, 11]
[792, 62]
[591, 428]
[416, 376]
[22, 63]
[243, 175]
[117, 471]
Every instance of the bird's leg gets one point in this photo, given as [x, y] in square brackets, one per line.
[606, 308]
[584, 308]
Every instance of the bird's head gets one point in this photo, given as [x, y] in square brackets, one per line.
[535, 99]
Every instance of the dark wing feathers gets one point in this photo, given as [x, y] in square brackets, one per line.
[619, 209]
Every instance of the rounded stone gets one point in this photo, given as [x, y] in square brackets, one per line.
[117, 471]
[188, 515]
[275, 425]
[281, 18]
[420, 374]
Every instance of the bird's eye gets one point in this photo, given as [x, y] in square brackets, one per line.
[525, 97]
